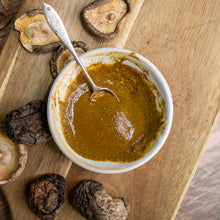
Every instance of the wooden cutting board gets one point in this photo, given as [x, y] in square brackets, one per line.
[5, 213]
[182, 38]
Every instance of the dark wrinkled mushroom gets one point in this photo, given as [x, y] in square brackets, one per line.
[102, 17]
[28, 125]
[91, 200]
[62, 56]
[46, 194]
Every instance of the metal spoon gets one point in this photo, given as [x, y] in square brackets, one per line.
[56, 24]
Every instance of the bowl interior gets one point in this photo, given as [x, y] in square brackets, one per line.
[68, 75]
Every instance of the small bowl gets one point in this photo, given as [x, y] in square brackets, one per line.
[68, 74]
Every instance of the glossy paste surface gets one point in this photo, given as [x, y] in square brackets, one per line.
[103, 129]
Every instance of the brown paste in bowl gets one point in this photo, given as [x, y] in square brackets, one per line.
[103, 129]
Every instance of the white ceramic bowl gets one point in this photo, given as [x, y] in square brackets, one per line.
[58, 90]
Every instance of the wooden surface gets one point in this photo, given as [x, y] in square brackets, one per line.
[202, 198]
[182, 39]
[5, 213]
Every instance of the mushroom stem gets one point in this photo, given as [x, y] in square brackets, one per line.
[6, 154]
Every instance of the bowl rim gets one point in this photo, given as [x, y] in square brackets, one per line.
[169, 110]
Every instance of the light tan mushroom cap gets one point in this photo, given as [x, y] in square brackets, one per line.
[35, 33]
[103, 17]
[13, 158]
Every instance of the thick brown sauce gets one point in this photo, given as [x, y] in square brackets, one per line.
[103, 129]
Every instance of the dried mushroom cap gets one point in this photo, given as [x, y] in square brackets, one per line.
[5, 13]
[62, 56]
[102, 17]
[13, 158]
[35, 33]
[91, 200]
[46, 194]
[28, 125]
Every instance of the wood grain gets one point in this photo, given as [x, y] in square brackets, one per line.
[184, 44]
[182, 39]
[15, 5]
[202, 198]
[5, 213]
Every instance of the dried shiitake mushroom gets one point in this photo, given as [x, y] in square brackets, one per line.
[13, 158]
[91, 200]
[28, 125]
[46, 194]
[102, 17]
[5, 13]
[62, 56]
[35, 33]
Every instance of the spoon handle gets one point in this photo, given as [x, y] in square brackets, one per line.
[56, 24]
